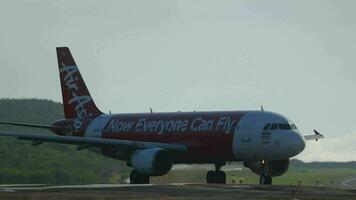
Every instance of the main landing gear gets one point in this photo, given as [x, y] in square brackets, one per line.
[216, 176]
[138, 178]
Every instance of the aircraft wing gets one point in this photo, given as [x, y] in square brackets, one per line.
[92, 142]
[316, 136]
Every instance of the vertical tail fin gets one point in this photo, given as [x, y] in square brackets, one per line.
[77, 102]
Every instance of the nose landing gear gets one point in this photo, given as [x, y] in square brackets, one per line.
[265, 178]
[216, 176]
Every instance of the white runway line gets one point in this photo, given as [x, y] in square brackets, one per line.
[90, 186]
[241, 186]
[22, 185]
[346, 182]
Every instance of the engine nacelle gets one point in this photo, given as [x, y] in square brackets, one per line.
[274, 168]
[152, 162]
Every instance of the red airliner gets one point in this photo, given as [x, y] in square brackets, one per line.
[151, 143]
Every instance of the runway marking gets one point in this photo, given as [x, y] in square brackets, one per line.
[91, 186]
[346, 182]
[241, 186]
[33, 187]
[6, 190]
[22, 185]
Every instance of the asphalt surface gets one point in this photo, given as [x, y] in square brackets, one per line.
[172, 191]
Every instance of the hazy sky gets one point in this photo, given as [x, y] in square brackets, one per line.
[293, 57]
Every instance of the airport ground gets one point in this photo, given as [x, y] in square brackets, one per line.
[175, 191]
[294, 176]
[338, 183]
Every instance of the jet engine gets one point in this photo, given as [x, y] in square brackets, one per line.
[273, 168]
[152, 162]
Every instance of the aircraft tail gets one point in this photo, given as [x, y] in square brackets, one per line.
[77, 102]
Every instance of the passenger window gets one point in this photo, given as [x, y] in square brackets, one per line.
[266, 127]
[274, 127]
[285, 126]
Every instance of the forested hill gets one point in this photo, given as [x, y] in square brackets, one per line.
[48, 163]
[297, 164]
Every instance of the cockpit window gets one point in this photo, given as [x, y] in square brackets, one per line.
[266, 127]
[285, 126]
[293, 126]
[274, 127]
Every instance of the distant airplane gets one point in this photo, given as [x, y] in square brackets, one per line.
[152, 142]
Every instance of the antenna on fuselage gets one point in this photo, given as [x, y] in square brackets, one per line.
[262, 108]
[151, 110]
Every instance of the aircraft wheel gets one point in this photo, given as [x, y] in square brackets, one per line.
[216, 177]
[269, 180]
[265, 179]
[210, 177]
[220, 177]
[138, 178]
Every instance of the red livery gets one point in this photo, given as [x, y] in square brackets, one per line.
[151, 143]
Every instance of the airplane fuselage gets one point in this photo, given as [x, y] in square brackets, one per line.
[209, 136]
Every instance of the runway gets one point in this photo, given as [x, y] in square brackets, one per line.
[172, 192]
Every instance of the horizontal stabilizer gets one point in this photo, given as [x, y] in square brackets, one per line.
[316, 136]
[29, 125]
[50, 127]
[95, 142]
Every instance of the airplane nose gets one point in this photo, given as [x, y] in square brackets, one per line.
[296, 143]
[289, 143]
[300, 142]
